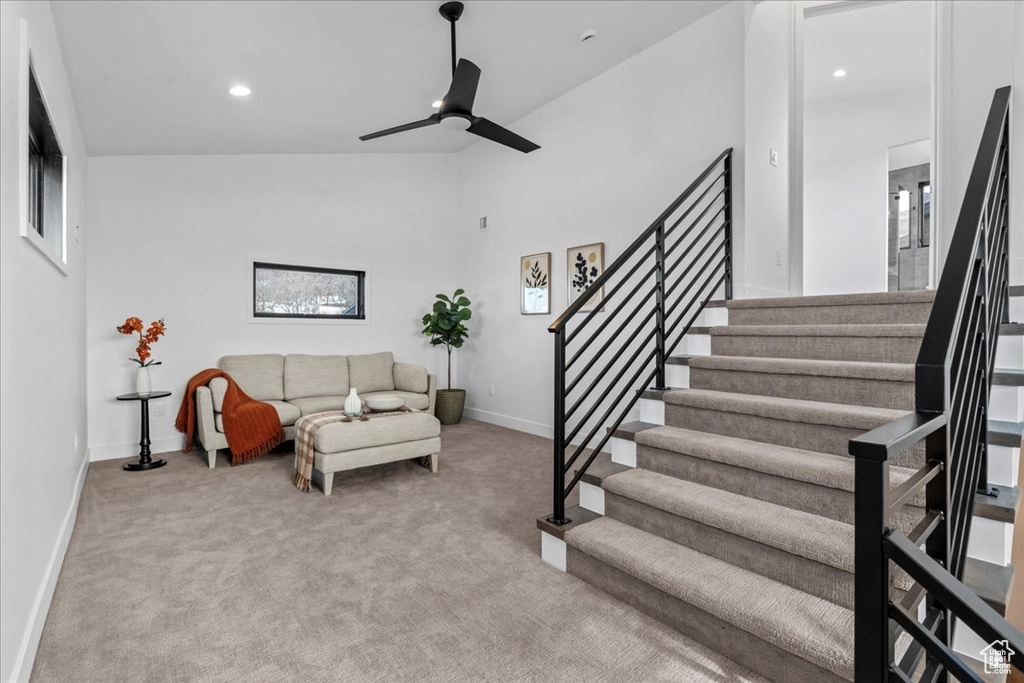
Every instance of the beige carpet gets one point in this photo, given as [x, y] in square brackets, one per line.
[192, 574]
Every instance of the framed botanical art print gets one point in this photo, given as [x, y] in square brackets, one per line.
[535, 284]
[584, 265]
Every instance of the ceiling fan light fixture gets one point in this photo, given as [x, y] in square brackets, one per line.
[459, 123]
[240, 91]
[437, 104]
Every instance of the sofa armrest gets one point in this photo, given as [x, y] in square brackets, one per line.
[206, 425]
[432, 391]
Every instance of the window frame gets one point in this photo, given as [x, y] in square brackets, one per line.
[363, 279]
[58, 256]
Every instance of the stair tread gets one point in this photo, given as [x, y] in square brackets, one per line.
[863, 299]
[800, 533]
[790, 409]
[991, 582]
[1002, 507]
[1004, 433]
[1015, 329]
[821, 469]
[1016, 290]
[599, 471]
[900, 372]
[628, 430]
[1008, 377]
[576, 514]
[797, 622]
[870, 330]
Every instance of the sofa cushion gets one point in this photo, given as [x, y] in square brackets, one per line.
[413, 378]
[318, 404]
[378, 431]
[315, 376]
[417, 401]
[372, 372]
[286, 412]
[259, 375]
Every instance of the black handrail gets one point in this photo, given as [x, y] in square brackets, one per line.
[634, 352]
[953, 379]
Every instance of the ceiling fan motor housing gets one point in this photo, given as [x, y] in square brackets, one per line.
[455, 122]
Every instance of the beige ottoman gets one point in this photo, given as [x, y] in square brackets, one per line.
[347, 445]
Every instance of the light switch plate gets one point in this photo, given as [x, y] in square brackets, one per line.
[773, 156]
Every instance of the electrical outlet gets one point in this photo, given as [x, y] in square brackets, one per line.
[773, 156]
[159, 409]
[490, 390]
[483, 223]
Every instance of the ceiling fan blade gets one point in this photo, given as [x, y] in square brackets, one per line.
[492, 131]
[429, 121]
[463, 89]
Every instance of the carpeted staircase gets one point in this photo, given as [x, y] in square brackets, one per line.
[735, 526]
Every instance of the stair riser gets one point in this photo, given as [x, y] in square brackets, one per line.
[894, 314]
[811, 437]
[869, 349]
[827, 502]
[845, 390]
[734, 643]
[821, 580]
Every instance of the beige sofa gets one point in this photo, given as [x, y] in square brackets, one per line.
[298, 385]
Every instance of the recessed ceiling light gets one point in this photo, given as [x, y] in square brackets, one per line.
[436, 104]
[839, 73]
[240, 91]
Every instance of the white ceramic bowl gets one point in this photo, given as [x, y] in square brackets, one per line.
[385, 402]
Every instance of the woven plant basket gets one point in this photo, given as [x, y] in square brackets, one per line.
[450, 404]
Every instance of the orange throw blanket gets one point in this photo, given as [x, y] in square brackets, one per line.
[252, 427]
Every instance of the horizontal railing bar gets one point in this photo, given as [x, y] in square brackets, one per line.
[912, 657]
[626, 367]
[905, 491]
[672, 247]
[604, 418]
[632, 337]
[955, 596]
[611, 430]
[672, 228]
[636, 306]
[600, 352]
[924, 529]
[672, 347]
[626, 299]
[712, 261]
[632, 248]
[934, 646]
[897, 436]
[697, 240]
[719, 232]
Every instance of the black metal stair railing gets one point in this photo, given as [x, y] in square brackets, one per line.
[953, 382]
[646, 302]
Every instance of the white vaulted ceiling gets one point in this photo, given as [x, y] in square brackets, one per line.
[151, 77]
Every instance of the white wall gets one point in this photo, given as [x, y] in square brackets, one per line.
[768, 92]
[42, 357]
[615, 152]
[846, 182]
[1017, 158]
[170, 237]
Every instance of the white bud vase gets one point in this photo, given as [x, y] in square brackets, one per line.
[353, 405]
[142, 384]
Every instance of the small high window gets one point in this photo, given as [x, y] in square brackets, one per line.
[45, 174]
[288, 291]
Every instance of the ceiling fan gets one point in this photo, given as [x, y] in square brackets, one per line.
[456, 111]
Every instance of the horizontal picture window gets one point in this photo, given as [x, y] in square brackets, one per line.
[307, 292]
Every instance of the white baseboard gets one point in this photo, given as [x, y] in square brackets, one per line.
[518, 424]
[115, 451]
[755, 292]
[41, 607]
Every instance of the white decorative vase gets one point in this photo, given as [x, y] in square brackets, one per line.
[142, 384]
[353, 406]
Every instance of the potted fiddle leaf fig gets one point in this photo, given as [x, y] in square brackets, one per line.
[444, 325]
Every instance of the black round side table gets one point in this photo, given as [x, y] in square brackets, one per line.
[145, 461]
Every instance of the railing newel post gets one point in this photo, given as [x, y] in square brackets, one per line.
[558, 473]
[873, 641]
[659, 274]
[727, 173]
